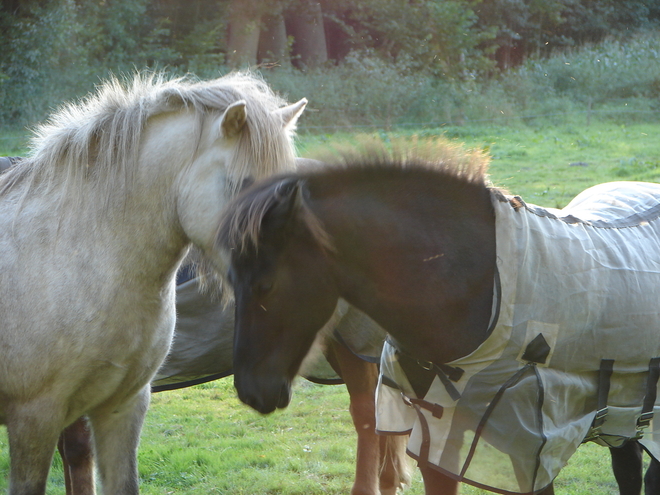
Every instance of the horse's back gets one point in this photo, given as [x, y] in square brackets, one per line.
[616, 202]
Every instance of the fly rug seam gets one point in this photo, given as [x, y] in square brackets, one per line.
[571, 357]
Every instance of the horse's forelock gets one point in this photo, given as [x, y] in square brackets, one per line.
[242, 223]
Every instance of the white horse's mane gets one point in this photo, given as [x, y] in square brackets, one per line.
[100, 135]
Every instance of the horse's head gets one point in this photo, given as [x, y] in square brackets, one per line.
[247, 140]
[284, 290]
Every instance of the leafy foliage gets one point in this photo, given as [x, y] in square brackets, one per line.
[390, 60]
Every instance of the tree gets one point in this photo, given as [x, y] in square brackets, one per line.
[273, 41]
[436, 36]
[304, 22]
[244, 29]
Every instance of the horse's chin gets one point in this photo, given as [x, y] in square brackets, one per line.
[285, 396]
[264, 399]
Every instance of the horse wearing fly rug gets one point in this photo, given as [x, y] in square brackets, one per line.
[416, 243]
[93, 226]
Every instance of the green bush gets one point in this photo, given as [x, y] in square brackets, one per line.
[601, 73]
[614, 79]
[362, 90]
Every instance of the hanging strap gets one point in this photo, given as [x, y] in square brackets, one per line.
[651, 392]
[435, 409]
[418, 404]
[603, 391]
[425, 447]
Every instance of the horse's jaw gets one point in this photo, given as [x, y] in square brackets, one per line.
[201, 195]
[263, 394]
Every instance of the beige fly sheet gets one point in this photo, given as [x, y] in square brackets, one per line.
[573, 351]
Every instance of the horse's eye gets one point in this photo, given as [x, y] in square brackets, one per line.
[265, 287]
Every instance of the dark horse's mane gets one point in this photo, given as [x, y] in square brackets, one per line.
[240, 226]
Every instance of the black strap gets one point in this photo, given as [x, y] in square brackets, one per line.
[425, 447]
[603, 391]
[497, 295]
[651, 393]
[436, 409]
[447, 378]
[447, 374]
[386, 380]
[513, 380]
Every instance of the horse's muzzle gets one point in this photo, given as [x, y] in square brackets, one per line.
[263, 395]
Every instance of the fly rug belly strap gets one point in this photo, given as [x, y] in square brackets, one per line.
[573, 356]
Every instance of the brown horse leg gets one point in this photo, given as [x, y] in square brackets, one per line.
[75, 446]
[360, 378]
[436, 483]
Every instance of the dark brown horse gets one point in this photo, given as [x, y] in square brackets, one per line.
[412, 243]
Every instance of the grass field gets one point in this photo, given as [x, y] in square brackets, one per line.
[201, 440]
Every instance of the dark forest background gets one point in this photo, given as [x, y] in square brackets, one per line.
[364, 61]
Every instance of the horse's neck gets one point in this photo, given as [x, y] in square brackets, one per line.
[127, 226]
[426, 278]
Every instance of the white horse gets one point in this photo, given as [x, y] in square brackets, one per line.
[93, 226]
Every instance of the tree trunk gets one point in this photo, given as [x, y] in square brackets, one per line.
[243, 35]
[306, 27]
[273, 47]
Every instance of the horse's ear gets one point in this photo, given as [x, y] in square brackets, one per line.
[287, 199]
[290, 113]
[233, 119]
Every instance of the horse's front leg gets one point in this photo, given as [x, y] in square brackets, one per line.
[652, 478]
[75, 447]
[116, 437]
[627, 466]
[436, 483]
[33, 428]
[360, 378]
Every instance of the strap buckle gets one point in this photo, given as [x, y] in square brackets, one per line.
[599, 418]
[644, 419]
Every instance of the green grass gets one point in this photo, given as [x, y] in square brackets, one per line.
[549, 165]
[202, 440]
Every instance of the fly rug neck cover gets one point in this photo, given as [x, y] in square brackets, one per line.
[573, 355]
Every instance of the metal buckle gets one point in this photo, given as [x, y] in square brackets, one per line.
[593, 433]
[427, 365]
[645, 419]
[599, 419]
